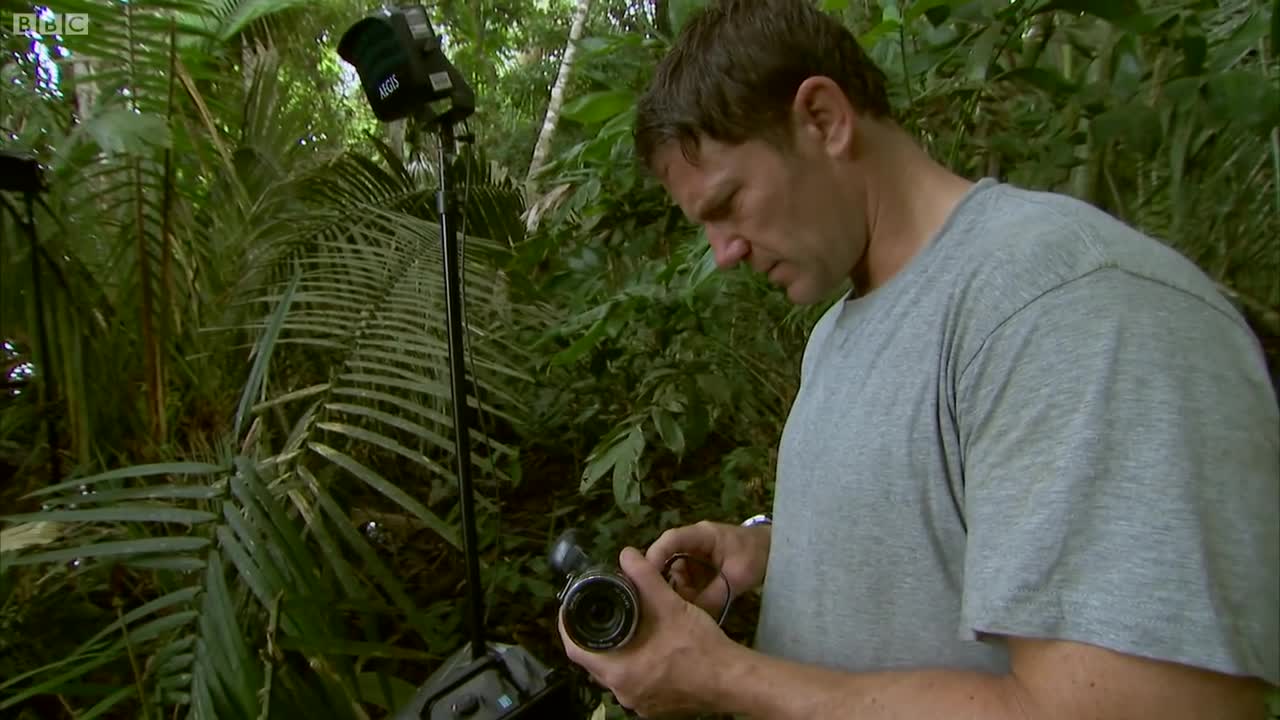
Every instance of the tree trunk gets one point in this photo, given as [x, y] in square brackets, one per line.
[543, 146]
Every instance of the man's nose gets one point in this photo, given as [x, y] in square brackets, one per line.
[728, 247]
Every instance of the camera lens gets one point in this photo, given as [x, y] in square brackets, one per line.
[600, 611]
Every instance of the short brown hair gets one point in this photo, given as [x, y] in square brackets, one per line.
[734, 70]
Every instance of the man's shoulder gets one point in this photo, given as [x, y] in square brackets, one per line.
[1030, 243]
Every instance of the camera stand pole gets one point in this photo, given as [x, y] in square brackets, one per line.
[22, 173]
[482, 680]
[457, 372]
[404, 70]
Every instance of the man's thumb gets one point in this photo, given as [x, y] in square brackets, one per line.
[644, 574]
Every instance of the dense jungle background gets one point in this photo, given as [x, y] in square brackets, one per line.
[225, 433]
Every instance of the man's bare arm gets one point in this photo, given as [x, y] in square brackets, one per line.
[1050, 680]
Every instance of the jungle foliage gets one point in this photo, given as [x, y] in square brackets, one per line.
[227, 425]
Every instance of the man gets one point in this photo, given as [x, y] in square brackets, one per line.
[1033, 467]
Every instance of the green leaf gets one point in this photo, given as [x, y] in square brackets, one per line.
[1195, 49]
[1135, 125]
[619, 455]
[118, 513]
[668, 430]
[1125, 14]
[599, 106]
[1275, 42]
[982, 51]
[1243, 41]
[717, 387]
[116, 548]
[1127, 69]
[246, 12]
[372, 686]
[1243, 97]
[582, 344]
[1050, 81]
[679, 12]
[919, 8]
[170, 468]
[123, 131]
[262, 354]
[390, 490]
[882, 30]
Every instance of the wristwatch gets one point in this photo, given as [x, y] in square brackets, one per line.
[761, 519]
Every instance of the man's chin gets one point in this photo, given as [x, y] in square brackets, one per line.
[801, 294]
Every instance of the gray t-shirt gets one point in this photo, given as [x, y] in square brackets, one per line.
[1046, 425]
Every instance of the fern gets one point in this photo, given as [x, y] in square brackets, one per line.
[259, 550]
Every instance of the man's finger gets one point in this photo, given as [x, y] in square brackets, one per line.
[693, 539]
[713, 598]
[646, 576]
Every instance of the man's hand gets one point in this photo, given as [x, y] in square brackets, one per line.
[742, 554]
[670, 664]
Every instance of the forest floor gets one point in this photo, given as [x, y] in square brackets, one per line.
[515, 543]
[529, 517]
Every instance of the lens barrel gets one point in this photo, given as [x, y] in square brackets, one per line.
[600, 609]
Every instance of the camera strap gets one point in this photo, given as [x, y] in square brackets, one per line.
[728, 589]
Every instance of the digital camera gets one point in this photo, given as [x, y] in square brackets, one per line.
[598, 605]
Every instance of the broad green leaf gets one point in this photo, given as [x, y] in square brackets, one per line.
[1135, 125]
[983, 50]
[881, 30]
[679, 12]
[583, 344]
[152, 492]
[618, 454]
[626, 483]
[108, 703]
[1195, 49]
[371, 688]
[172, 564]
[599, 106]
[1050, 81]
[717, 387]
[171, 468]
[1241, 43]
[123, 131]
[114, 548]
[246, 12]
[390, 490]
[919, 8]
[262, 355]
[668, 430]
[1125, 14]
[1244, 97]
[118, 513]
[1275, 50]
[1127, 68]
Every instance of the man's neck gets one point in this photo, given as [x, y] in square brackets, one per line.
[909, 197]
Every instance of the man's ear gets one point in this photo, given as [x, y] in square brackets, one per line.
[822, 116]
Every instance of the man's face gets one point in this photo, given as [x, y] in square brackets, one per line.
[780, 211]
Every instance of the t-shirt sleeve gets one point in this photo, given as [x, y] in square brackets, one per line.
[1121, 448]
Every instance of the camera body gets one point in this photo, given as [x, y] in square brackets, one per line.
[599, 606]
[403, 68]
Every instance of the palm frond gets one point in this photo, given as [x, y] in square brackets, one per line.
[253, 588]
[370, 307]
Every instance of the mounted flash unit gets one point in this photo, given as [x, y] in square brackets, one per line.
[403, 68]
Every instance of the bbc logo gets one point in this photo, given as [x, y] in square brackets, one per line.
[51, 24]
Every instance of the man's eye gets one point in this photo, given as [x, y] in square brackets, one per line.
[721, 209]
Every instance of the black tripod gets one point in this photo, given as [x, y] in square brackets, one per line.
[21, 173]
[404, 70]
[482, 679]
